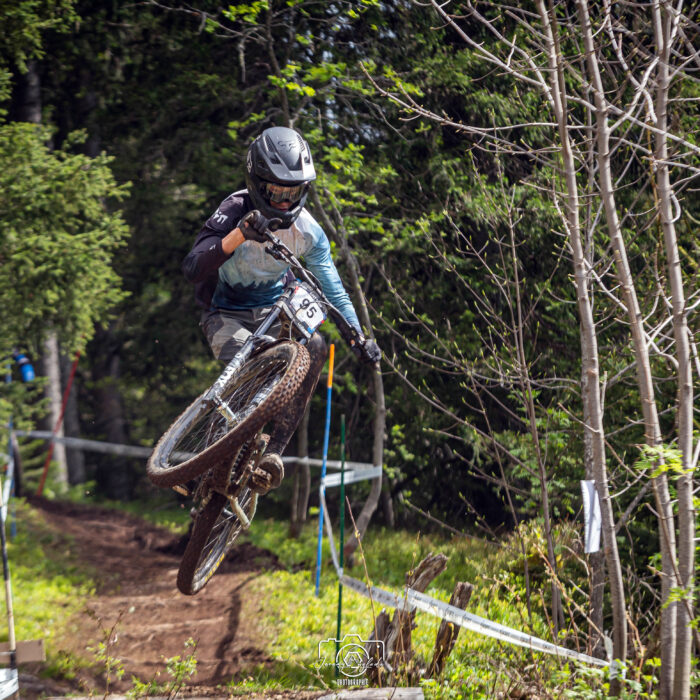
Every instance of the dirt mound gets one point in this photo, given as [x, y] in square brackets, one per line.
[136, 565]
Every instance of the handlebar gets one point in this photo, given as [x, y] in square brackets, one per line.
[280, 251]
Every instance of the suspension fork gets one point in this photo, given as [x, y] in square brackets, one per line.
[240, 358]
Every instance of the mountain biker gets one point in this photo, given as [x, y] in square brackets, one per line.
[236, 282]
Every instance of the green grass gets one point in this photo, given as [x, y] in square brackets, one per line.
[48, 585]
[479, 667]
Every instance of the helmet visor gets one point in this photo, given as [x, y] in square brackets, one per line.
[284, 193]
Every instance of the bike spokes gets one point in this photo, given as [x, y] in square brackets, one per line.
[239, 401]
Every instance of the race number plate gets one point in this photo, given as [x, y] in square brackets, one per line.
[307, 310]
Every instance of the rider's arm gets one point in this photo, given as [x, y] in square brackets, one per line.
[216, 241]
[320, 263]
[230, 242]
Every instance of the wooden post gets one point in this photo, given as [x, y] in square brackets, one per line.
[447, 633]
[396, 635]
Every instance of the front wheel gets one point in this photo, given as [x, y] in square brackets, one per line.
[206, 433]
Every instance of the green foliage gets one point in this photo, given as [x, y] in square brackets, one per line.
[58, 239]
[660, 459]
[248, 12]
[179, 668]
[113, 665]
[24, 24]
[49, 584]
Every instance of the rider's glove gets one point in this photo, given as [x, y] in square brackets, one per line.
[253, 226]
[367, 350]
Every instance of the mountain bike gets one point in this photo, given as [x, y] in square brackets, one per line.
[211, 451]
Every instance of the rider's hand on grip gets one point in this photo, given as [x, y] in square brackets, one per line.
[254, 225]
[367, 350]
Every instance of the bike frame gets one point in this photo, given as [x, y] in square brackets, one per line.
[280, 251]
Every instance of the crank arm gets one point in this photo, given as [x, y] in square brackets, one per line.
[240, 513]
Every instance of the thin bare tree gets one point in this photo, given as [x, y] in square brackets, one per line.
[608, 103]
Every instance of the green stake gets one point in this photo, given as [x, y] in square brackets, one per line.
[342, 537]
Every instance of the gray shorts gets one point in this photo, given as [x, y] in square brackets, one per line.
[227, 330]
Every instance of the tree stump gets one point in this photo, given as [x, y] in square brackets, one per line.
[447, 633]
[396, 635]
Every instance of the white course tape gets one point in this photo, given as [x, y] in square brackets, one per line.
[493, 629]
[330, 463]
[145, 452]
[329, 531]
[9, 682]
[351, 477]
[7, 485]
[414, 600]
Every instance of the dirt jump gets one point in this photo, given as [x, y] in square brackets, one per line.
[136, 566]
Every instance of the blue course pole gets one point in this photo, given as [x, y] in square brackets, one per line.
[329, 389]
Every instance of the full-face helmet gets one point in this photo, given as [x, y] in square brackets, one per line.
[279, 169]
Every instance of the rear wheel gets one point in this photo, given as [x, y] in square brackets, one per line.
[214, 531]
[206, 434]
[220, 518]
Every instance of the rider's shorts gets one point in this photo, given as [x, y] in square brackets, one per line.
[226, 330]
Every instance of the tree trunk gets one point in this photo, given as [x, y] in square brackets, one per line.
[114, 475]
[339, 234]
[27, 99]
[643, 368]
[686, 512]
[27, 108]
[589, 344]
[302, 480]
[51, 369]
[596, 560]
[448, 632]
[388, 505]
[375, 491]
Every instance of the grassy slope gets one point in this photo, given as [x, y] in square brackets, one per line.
[479, 667]
[49, 587]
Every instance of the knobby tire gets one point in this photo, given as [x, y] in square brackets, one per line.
[201, 438]
[213, 535]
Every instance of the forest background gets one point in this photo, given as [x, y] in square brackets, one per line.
[443, 187]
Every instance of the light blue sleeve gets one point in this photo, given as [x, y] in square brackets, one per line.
[319, 261]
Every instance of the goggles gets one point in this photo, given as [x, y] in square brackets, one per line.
[283, 193]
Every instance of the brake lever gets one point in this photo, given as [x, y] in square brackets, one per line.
[276, 254]
[277, 249]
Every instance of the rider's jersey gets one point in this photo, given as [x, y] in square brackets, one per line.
[251, 278]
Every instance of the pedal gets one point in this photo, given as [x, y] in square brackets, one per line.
[260, 481]
[260, 446]
[267, 473]
[182, 490]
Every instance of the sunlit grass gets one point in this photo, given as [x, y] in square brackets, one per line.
[49, 584]
[298, 621]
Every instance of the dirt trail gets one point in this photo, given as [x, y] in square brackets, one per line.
[137, 567]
